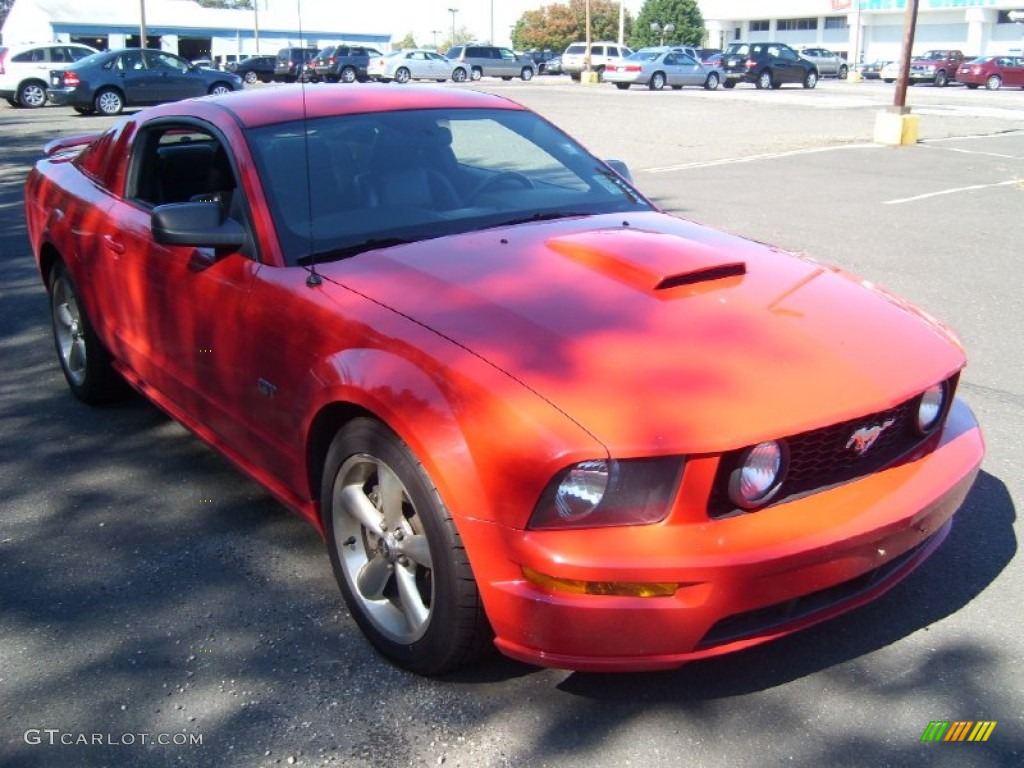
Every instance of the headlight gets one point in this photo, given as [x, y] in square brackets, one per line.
[931, 407]
[598, 493]
[758, 475]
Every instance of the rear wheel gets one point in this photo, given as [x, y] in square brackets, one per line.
[397, 555]
[109, 102]
[477, 73]
[348, 75]
[250, 77]
[810, 79]
[972, 86]
[764, 80]
[711, 84]
[843, 72]
[32, 94]
[402, 75]
[83, 358]
[219, 89]
[657, 81]
[994, 82]
[84, 110]
[729, 84]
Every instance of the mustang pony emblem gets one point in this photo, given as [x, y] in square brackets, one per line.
[862, 439]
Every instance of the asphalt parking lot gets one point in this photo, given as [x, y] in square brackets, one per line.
[148, 588]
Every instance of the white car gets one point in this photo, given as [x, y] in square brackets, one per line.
[601, 54]
[890, 72]
[25, 70]
[414, 64]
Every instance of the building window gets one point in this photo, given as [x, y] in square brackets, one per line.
[1004, 18]
[836, 22]
[789, 25]
[759, 25]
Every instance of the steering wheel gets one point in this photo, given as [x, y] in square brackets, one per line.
[498, 178]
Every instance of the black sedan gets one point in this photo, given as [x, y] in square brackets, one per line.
[255, 68]
[109, 81]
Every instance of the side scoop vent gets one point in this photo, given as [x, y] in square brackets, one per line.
[720, 272]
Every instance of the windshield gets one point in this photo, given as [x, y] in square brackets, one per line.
[343, 184]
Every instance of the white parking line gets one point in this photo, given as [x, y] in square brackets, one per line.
[971, 188]
[973, 152]
[754, 158]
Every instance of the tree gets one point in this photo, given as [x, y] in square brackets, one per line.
[684, 14]
[406, 42]
[555, 26]
[242, 4]
[462, 35]
[5, 8]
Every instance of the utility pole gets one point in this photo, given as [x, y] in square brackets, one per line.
[899, 100]
[142, 24]
[256, 24]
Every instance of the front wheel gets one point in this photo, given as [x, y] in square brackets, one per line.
[459, 75]
[729, 84]
[810, 79]
[843, 73]
[109, 102]
[657, 81]
[397, 555]
[941, 79]
[250, 77]
[32, 94]
[764, 80]
[402, 75]
[526, 74]
[477, 73]
[711, 84]
[993, 83]
[219, 89]
[83, 358]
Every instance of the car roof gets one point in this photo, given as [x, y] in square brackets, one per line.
[258, 107]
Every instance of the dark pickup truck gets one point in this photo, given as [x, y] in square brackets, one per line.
[766, 65]
[937, 67]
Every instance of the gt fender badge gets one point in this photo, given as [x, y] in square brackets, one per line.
[862, 439]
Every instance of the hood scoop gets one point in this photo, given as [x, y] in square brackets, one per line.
[653, 262]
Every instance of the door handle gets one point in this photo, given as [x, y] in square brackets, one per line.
[113, 244]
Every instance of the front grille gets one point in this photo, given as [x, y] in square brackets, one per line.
[822, 458]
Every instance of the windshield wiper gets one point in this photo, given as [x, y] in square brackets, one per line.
[336, 254]
[619, 183]
[540, 216]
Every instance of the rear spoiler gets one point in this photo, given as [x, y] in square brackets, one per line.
[68, 142]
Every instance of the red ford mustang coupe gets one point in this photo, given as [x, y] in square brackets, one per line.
[523, 406]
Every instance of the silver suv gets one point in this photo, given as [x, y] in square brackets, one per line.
[600, 55]
[491, 61]
[25, 70]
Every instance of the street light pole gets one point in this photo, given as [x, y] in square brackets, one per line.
[142, 24]
[453, 11]
[256, 24]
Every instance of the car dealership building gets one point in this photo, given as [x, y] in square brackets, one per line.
[976, 27]
[182, 26]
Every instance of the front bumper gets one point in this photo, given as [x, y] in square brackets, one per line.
[743, 580]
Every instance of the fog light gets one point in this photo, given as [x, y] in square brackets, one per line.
[758, 475]
[931, 408]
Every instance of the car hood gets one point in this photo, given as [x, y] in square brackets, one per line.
[657, 335]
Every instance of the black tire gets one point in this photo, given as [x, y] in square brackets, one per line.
[402, 75]
[971, 86]
[810, 79]
[764, 80]
[109, 102]
[506, 78]
[623, 86]
[348, 75]
[397, 555]
[83, 358]
[600, 74]
[84, 110]
[32, 94]
[459, 75]
[941, 79]
[729, 84]
[526, 74]
[843, 73]
[476, 73]
[12, 101]
[888, 80]
[713, 81]
[993, 83]
[574, 76]
[219, 89]
[657, 81]
[250, 77]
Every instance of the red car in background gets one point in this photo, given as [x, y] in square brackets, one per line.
[521, 404]
[993, 72]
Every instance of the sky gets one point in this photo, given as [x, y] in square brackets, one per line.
[424, 17]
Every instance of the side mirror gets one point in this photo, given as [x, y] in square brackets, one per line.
[620, 168]
[201, 225]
